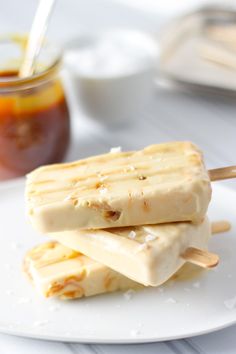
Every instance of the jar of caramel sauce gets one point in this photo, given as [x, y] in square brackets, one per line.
[34, 117]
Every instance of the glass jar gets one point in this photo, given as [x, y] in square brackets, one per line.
[34, 117]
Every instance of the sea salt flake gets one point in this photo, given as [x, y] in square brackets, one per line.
[230, 304]
[196, 285]
[129, 294]
[135, 332]
[149, 238]
[141, 247]
[170, 300]
[9, 292]
[67, 198]
[161, 290]
[15, 245]
[103, 191]
[132, 235]
[7, 266]
[40, 323]
[115, 149]
[103, 178]
[24, 300]
[129, 168]
[54, 308]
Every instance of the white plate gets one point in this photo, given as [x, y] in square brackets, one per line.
[182, 309]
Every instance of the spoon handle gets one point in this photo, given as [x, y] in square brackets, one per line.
[36, 36]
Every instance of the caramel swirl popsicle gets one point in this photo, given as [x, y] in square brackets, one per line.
[149, 254]
[57, 271]
[161, 183]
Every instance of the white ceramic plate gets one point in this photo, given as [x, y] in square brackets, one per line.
[201, 304]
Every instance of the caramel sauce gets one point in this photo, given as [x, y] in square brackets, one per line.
[34, 127]
[8, 74]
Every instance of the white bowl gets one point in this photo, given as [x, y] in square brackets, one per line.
[113, 73]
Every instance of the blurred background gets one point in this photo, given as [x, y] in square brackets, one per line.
[134, 73]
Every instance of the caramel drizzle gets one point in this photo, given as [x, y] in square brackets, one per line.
[58, 287]
[36, 255]
[93, 180]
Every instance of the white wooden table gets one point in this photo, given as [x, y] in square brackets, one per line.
[209, 122]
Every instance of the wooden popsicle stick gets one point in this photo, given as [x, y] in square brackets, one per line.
[220, 226]
[218, 174]
[201, 258]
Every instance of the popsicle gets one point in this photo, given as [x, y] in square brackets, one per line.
[149, 255]
[57, 271]
[161, 183]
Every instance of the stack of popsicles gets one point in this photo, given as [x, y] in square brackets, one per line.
[119, 220]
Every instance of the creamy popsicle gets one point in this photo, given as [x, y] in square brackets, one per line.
[161, 183]
[149, 255]
[56, 270]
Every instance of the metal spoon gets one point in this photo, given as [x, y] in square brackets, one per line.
[36, 36]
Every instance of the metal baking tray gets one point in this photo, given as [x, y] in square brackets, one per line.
[198, 51]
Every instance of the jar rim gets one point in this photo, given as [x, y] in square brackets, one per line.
[11, 82]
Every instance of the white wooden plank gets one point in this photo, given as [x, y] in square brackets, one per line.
[220, 342]
[17, 345]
